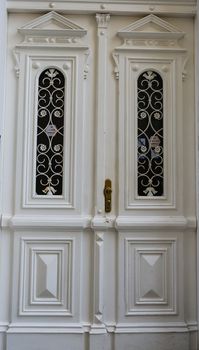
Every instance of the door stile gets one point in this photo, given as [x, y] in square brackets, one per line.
[3, 30]
[101, 108]
[99, 221]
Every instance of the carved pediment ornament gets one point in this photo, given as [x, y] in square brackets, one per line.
[151, 31]
[52, 28]
[151, 34]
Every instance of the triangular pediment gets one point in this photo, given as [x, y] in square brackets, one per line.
[52, 23]
[151, 26]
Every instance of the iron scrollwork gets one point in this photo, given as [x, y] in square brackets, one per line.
[150, 159]
[50, 133]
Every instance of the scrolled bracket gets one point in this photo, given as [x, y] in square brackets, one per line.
[184, 65]
[16, 56]
[116, 62]
[87, 63]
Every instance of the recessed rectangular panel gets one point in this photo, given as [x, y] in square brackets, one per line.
[150, 276]
[47, 277]
[47, 273]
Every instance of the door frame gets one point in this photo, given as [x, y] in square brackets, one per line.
[197, 147]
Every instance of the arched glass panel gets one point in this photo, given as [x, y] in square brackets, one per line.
[50, 133]
[150, 160]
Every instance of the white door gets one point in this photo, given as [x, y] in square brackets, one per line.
[98, 218]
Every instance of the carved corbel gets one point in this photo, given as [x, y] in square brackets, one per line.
[116, 61]
[184, 64]
[87, 63]
[16, 56]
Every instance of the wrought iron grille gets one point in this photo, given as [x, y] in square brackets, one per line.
[150, 158]
[50, 133]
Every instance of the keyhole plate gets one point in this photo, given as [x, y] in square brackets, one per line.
[108, 195]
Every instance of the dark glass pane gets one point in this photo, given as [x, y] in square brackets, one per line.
[50, 129]
[150, 164]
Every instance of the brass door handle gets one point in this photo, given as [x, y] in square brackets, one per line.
[108, 195]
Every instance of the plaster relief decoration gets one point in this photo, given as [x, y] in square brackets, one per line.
[149, 66]
[53, 62]
[150, 283]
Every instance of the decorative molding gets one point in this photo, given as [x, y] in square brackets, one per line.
[151, 30]
[3, 88]
[154, 275]
[16, 56]
[18, 222]
[51, 28]
[45, 328]
[151, 24]
[103, 20]
[135, 67]
[98, 285]
[36, 65]
[87, 56]
[46, 280]
[149, 223]
[46, 286]
[104, 222]
[152, 327]
[97, 329]
[119, 328]
[117, 7]
[116, 62]
[165, 68]
[131, 67]
[3, 327]
[28, 98]
[67, 66]
[61, 22]
[184, 71]
[63, 34]
[26, 151]
[101, 109]
[151, 262]
[192, 326]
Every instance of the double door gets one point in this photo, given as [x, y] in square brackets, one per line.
[96, 151]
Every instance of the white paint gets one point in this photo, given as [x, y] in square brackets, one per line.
[165, 7]
[154, 289]
[3, 31]
[82, 279]
[100, 162]
[101, 106]
[38, 57]
[148, 43]
[197, 147]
